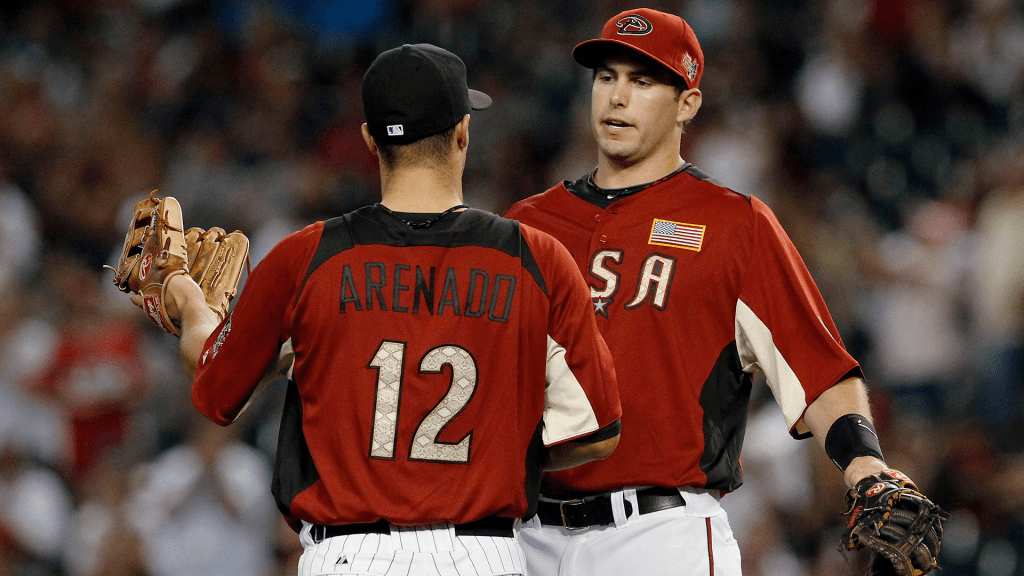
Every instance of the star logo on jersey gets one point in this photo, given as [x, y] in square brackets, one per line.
[601, 306]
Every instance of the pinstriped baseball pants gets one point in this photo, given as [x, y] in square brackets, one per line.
[432, 550]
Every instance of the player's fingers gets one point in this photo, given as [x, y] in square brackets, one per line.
[136, 299]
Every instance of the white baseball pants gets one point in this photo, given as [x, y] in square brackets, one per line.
[690, 540]
[432, 550]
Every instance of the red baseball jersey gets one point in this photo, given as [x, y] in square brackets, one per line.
[431, 365]
[694, 288]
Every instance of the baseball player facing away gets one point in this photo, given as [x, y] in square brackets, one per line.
[440, 356]
[694, 287]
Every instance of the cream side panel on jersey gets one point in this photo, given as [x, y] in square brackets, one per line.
[758, 353]
[567, 410]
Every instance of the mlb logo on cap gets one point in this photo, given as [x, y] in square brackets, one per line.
[395, 130]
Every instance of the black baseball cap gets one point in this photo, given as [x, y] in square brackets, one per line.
[415, 91]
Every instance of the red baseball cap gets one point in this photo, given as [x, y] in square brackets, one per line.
[666, 38]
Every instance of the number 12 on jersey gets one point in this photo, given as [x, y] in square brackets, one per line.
[389, 362]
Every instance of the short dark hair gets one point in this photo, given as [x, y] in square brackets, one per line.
[430, 151]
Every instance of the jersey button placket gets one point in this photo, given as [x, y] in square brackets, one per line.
[601, 238]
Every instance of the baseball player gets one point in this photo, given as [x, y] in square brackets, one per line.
[438, 357]
[694, 287]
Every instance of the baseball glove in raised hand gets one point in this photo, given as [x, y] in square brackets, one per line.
[901, 527]
[156, 249]
[215, 261]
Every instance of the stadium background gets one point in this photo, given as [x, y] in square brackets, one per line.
[886, 134]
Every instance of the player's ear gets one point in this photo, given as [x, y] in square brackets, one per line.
[462, 133]
[689, 103]
[370, 143]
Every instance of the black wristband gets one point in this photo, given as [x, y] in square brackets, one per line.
[849, 437]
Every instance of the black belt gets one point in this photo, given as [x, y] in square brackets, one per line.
[578, 514]
[489, 526]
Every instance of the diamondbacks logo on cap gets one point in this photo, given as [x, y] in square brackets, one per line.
[690, 65]
[396, 130]
[634, 25]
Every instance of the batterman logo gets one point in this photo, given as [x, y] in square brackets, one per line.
[396, 130]
[634, 25]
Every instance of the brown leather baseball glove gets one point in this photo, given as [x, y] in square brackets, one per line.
[154, 252]
[215, 261]
[156, 249]
[901, 527]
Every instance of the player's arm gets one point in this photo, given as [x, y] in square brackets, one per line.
[571, 454]
[582, 411]
[186, 303]
[785, 331]
[572, 433]
[849, 439]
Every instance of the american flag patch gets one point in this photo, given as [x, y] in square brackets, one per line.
[677, 234]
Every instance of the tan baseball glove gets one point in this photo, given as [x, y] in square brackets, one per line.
[901, 527]
[154, 252]
[156, 249]
[215, 261]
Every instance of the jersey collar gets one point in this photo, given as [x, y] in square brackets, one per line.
[586, 189]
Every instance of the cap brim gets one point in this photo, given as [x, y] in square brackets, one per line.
[591, 53]
[478, 100]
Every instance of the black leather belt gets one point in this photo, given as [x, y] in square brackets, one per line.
[489, 526]
[578, 514]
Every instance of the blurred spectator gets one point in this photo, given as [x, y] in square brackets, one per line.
[94, 375]
[101, 540]
[35, 506]
[203, 507]
[19, 237]
[920, 344]
[999, 287]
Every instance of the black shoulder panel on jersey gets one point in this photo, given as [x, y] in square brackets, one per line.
[334, 239]
[725, 399]
[294, 469]
[705, 177]
[529, 263]
[372, 225]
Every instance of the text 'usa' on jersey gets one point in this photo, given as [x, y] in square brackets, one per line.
[680, 272]
[419, 366]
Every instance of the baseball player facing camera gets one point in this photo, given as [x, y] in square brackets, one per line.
[438, 357]
[695, 287]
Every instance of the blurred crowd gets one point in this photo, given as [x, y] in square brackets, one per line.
[888, 136]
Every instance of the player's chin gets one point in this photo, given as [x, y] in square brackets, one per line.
[617, 152]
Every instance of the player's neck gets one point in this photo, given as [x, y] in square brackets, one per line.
[614, 174]
[420, 189]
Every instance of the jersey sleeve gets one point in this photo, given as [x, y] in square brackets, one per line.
[783, 328]
[581, 400]
[248, 343]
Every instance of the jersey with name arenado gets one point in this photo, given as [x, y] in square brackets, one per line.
[694, 287]
[417, 393]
